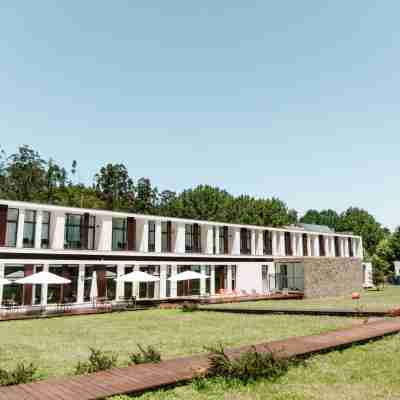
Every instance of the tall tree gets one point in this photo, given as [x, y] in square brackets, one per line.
[115, 186]
[146, 197]
[325, 217]
[56, 177]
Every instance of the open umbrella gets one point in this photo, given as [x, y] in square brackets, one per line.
[4, 281]
[43, 278]
[187, 276]
[138, 276]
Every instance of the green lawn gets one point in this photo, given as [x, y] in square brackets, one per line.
[370, 300]
[56, 345]
[364, 372]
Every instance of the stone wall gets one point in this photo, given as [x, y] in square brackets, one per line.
[330, 277]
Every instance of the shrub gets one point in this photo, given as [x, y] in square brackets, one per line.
[98, 361]
[144, 356]
[22, 373]
[248, 366]
[189, 307]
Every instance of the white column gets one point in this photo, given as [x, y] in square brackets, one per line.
[2, 273]
[260, 243]
[326, 244]
[360, 250]
[235, 249]
[104, 233]
[300, 245]
[38, 229]
[142, 234]
[282, 243]
[174, 271]
[20, 228]
[119, 293]
[158, 236]
[179, 237]
[293, 243]
[81, 284]
[209, 239]
[331, 246]
[342, 248]
[212, 281]
[203, 281]
[229, 278]
[252, 242]
[217, 228]
[309, 246]
[163, 281]
[45, 288]
[316, 246]
[136, 285]
[275, 243]
[346, 247]
[57, 228]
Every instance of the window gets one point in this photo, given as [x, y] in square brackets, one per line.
[305, 244]
[29, 229]
[192, 238]
[152, 236]
[245, 240]
[267, 238]
[45, 239]
[12, 227]
[233, 268]
[337, 247]
[351, 252]
[119, 234]
[288, 244]
[91, 232]
[321, 245]
[72, 238]
[223, 240]
[214, 229]
[166, 237]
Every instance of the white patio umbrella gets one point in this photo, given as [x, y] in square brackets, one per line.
[93, 287]
[138, 276]
[4, 281]
[43, 278]
[187, 276]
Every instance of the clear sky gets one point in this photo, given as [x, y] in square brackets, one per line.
[295, 99]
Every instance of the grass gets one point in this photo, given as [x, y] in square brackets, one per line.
[364, 372]
[56, 345]
[384, 300]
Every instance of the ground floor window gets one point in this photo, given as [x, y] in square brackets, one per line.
[100, 283]
[289, 276]
[188, 288]
[150, 290]
[14, 292]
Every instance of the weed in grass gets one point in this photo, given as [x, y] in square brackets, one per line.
[22, 373]
[145, 355]
[98, 361]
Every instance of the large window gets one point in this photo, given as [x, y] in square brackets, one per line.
[150, 290]
[45, 239]
[288, 244]
[29, 229]
[192, 238]
[166, 236]
[119, 234]
[223, 240]
[72, 232]
[245, 241]
[12, 227]
[337, 247]
[267, 238]
[152, 236]
[351, 252]
[321, 245]
[91, 234]
[305, 244]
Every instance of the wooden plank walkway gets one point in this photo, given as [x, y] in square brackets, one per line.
[137, 379]
[292, 311]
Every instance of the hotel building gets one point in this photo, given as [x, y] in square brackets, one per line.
[86, 244]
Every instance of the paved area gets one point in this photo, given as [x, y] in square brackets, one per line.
[139, 378]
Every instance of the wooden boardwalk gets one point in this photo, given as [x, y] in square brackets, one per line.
[143, 377]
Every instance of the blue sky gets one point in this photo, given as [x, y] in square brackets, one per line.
[298, 100]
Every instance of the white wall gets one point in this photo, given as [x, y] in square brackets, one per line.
[248, 277]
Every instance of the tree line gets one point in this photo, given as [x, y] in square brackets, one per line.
[27, 176]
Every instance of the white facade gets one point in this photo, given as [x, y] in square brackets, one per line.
[233, 255]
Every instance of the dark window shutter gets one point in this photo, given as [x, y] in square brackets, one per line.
[131, 227]
[3, 224]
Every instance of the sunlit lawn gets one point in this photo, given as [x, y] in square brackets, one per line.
[56, 345]
[364, 372]
[386, 299]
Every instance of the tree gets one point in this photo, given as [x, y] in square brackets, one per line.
[325, 217]
[56, 177]
[25, 175]
[360, 222]
[146, 197]
[115, 186]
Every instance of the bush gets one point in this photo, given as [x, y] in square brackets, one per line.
[144, 356]
[189, 307]
[98, 361]
[248, 366]
[20, 374]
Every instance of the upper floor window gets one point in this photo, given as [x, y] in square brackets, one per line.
[321, 245]
[351, 250]
[267, 239]
[337, 246]
[152, 236]
[305, 244]
[288, 244]
[192, 238]
[45, 239]
[119, 234]
[166, 236]
[245, 241]
[12, 227]
[223, 239]
[72, 237]
[29, 229]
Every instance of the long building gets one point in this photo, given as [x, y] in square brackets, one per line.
[87, 244]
